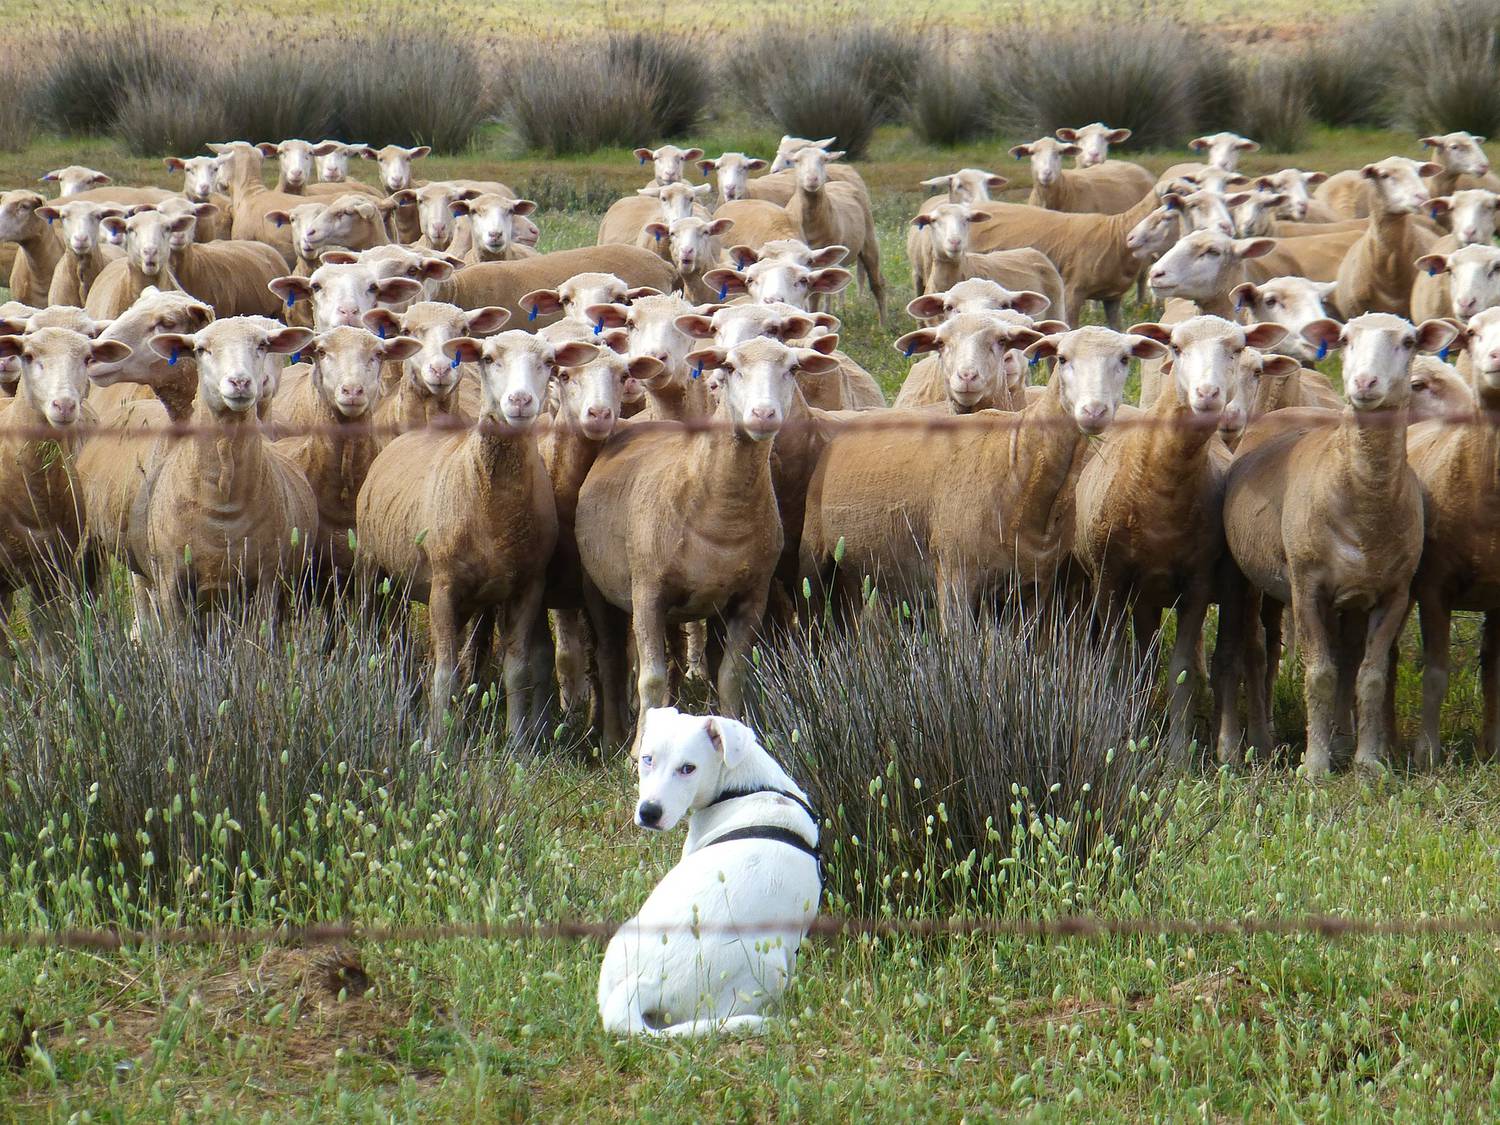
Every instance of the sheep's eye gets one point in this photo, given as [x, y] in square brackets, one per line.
[687, 768]
[413, 272]
[28, 358]
[1270, 302]
[317, 287]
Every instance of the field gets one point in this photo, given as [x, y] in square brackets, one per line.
[278, 777]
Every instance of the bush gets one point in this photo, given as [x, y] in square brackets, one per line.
[1272, 105]
[155, 121]
[18, 110]
[409, 85]
[674, 72]
[92, 70]
[1341, 86]
[1154, 77]
[566, 100]
[1450, 67]
[276, 94]
[842, 82]
[947, 105]
[942, 755]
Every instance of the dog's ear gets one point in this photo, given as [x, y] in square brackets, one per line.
[731, 738]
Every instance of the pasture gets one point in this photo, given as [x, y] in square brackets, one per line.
[281, 771]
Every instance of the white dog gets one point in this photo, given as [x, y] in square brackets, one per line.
[717, 939]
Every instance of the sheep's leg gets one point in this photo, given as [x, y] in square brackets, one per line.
[1145, 622]
[443, 627]
[523, 623]
[1229, 665]
[649, 625]
[1112, 312]
[610, 627]
[571, 664]
[739, 638]
[869, 259]
[1373, 736]
[1489, 678]
[1320, 676]
[1182, 669]
[1435, 619]
[1272, 617]
[140, 597]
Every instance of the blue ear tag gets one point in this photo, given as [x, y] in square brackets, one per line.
[697, 371]
[1033, 361]
[1322, 348]
[1432, 273]
[380, 331]
[1443, 355]
[532, 315]
[49, 221]
[724, 292]
[291, 299]
[455, 363]
[598, 327]
[909, 352]
[297, 357]
[656, 235]
[1434, 212]
[172, 359]
[643, 160]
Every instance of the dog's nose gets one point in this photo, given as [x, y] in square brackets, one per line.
[648, 813]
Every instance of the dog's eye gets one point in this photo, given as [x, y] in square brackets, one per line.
[645, 761]
[686, 769]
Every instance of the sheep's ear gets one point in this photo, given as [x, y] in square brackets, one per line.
[1430, 142]
[1435, 335]
[826, 321]
[1244, 144]
[824, 345]
[523, 207]
[1020, 152]
[708, 357]
[645, 368]
[1030, 303]
[1243, 295]
[291, 289]
[1171, 201]
[692, 154]
[338, 257]
[656, 230]
[834, 154]
[610, 316]
[729, 282]
[936, 182]
[287, 341]
[176, 164]
[718, 228]
[644, 154]
[166, 344]
[1117, 136]
[797, 326]
[1439, 205]
[485, 321]
[326, 148]
[406, 197]
[980, 216]
[49, 212]
[574, 353]
[615, 339]
[1428, 169]
[816, 362]
[1066, 134]
[394, 289]
[1146, 348]
[181, 224]
[1240, 197]
[743, 256]
[1327, 334]
[1069, 149]
[541, 302]
[399, 348]
[266, 148]
[382, 322]
[918, 342]
[1433, 264]
[1369, 171]
[1265, 335]
[635, 293]
[1045, 348]
[1279, 366]
[112, 352]
[695, 325]
[700, 191]
[1253, 247]
[418, 152]
[1161, 333]
[205, 210]
[995, 182]
[829, 281]
[707, 166]
[458, 208]
[462, 349]
[731, 738]
[1314, 178]
[1198, 144]
[1051, 327]
[653, 190]
[827, 256]
[113, 227]
[756, 164]
[435, 269]
[930, 306]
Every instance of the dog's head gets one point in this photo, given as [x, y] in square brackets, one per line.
[683, 760]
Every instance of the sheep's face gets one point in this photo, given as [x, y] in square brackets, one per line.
[1206, 359]
[431, 325]
[426, 269]
[782, 282]
[695, 242]
[1204, 210]
[653, 333]
[1482, 341]
[978, 295]
[181, 237]
[80, 223]
[395, 164]
[1474, 280]
[331, 158]
[973, 185]
[1093, 142]
[760, 380]
[239, 360]
[55, 364]
[591, 396]
[343, 222]
[153, 313]
[493, 220]
[735, 324]
[1092, 366]
[147, 237]
[1472, 215]
[733, 173]
[346, 367]
[789, 147]
[811, 164]
[514, 369]
[1201, 265]
[1437, 390]
[1293, 184]
[979, 355]
[435, 215]
[1224, 149]
[947, 229]
[585, 289]
[1459, 153]
[18, 217]
[1398, 183]
[1255, 212]
[1293, 303]
[201, 175]
[676, 199]
[1378, 350]
[296, 159]
[1154, 235]
[1046, 157]
[74, 179]
[341, 294]
[669, 163]
[307, 231]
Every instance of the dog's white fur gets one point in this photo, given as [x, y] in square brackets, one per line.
[752, 899]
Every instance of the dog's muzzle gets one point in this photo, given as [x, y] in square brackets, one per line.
[648, 814]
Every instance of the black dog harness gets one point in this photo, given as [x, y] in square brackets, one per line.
[768, 831]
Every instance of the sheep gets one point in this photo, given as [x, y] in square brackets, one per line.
[232, 276]
[429, 388]
[1204, 177]
[1322, 512]
[830, 213]
[1204, 267]
[507, 284]
[1255, 213]
[626, 219]
[651, 329]
[785, 160]
[1292, 302]
[202, 176]
[982, 502]
[465, 522]
[976, 362]
[341, 293]
[395, 163]
[251, 201]
[1472, 219]
[223, 515]
[967, 185]
[1224, 149]
[492, 226]
[669, 163]
[1089, 251]
[442, 228]
[38, 247]
[949, 259]
[1438, 391]
[732, 172]
[1107, 188]
[756, 224]
[41, 514]
[343, 394]
[694, 247]
[1470, 283]
[429, 269]
[296, 159]
[1147, 522]
[1093, 142]
[147, 261]
[84, 257]
[1457, 156]
[573, 298]
[665, 545]
[351, 222]
[1297, 202]
[73, 179]
[978, 294]
[332, 159]
[1379, 270]
[778, 281]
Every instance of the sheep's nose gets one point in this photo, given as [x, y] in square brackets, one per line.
[648, 814]
[1466, 305]
[64, 408]
[354, 391]
[968, 375]
[1157, 277]
[520, 400]
[764, 413]
[1093, 413]
[1208, 393]
[239, 384]
[1364, 384]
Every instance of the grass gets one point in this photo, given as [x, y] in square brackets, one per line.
[1118, 1029]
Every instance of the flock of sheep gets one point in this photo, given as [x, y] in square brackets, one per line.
[644, 453]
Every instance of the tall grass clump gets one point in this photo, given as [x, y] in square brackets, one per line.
[1446, 58]
[18, 109]
[1155, 77]
[89, 72]
[1341, 86]
[270, 767]
[288, 91]
[623, 90]
[409, 84]
[955, 763]
[842, 82]
[1272, 104]
[947, 104]
[154, 120]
